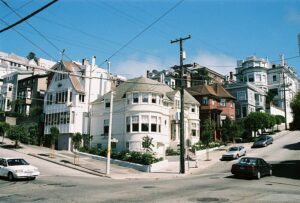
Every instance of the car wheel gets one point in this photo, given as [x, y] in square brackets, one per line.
[270, 172]
[32, 178]
[10, 176]
[258, 175]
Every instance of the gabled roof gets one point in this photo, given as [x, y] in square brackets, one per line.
[143, 84]
[214, 90]
[74, 70]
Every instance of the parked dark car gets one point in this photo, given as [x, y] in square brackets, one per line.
[252, 167]
[263, 141]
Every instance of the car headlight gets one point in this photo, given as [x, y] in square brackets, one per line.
[19, 171]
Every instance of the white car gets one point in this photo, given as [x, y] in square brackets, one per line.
[14, 168]
[234, 153]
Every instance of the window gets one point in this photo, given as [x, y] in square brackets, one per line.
[128, 124]
[258, 77]
[274, 91]
[107, 103]
[194, 129]
[70, 98]
[205, 100]
[159, 124]
[274, 78]
[73, 117]
[10, 88]
[113, 145]
[49, 99]
[193, 108]
[250, 78]
[153, 100]
[223, 102]
[244, 111]
[145, 123]
[135, 123]
[145, 97]
[81, 98]
[153, 123]
[105, 127]
[135, 98]
[241, 96]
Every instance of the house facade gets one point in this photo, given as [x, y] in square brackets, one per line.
[216, 104]
[257, 78]
[72, 87]
[144, 107]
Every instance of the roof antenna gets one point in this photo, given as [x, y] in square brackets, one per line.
[62, 54]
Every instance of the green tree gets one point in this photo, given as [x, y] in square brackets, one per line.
[235, 131]
[254, 121]
[271, 122]
[147, 143]
[207, 134]
[54, 133]
[32, 55]
[295, 106]
[226, 129]
[18, 134]
[4, 127]
[77, 140]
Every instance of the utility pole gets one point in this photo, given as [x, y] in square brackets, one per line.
[182, 154]
[284, 100]
[110, 124]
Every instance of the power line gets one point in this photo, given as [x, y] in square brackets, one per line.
[18, 8]
[144, 30]
[28, 16]
[26, 38]
[41, 34]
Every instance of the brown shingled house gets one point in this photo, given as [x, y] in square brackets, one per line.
[216, 103]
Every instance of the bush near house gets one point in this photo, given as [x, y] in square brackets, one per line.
[132, 156]
[172, 152]
[200, 146]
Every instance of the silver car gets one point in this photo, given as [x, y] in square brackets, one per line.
[14, 168]
[234, 153]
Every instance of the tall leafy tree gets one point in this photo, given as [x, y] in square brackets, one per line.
[4, 127]
[295, 106]
[32, 55]
[77, 140]
[54, 133]
[207, 134]
[235, 131]
[226, 129]
[254, 122]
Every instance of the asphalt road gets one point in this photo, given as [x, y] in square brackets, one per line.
[59, 184]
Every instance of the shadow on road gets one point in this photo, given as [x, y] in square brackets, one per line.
[294, 146]
[287, 169]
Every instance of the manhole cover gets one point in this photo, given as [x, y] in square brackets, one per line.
[208, 199]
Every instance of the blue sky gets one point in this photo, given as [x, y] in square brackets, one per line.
[223, 31]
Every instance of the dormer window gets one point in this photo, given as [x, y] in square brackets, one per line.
[107, 103]
[153, 100]
[145, 97]
[135, 98]
[81, 98]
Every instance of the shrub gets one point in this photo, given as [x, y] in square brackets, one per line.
[171, 152]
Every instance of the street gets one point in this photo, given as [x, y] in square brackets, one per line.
[213, 184]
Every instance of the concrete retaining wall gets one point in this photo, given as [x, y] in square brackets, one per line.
[145, 168]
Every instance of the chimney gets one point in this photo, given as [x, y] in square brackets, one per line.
[231, 75]
[282, 59]
[94, 61]
[85, 62]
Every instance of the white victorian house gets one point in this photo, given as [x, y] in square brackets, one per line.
[68, 96]
[144, 107]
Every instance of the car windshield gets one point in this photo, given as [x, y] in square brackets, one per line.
[16, 162]
[233, 149]
[248, 161]
[262, 138]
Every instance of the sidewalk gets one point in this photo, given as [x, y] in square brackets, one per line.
[98, 167]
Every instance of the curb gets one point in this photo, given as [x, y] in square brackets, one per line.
[85, 170]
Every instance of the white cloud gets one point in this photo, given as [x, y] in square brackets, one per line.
[218, 62]
[135, 67]
[293, 16]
